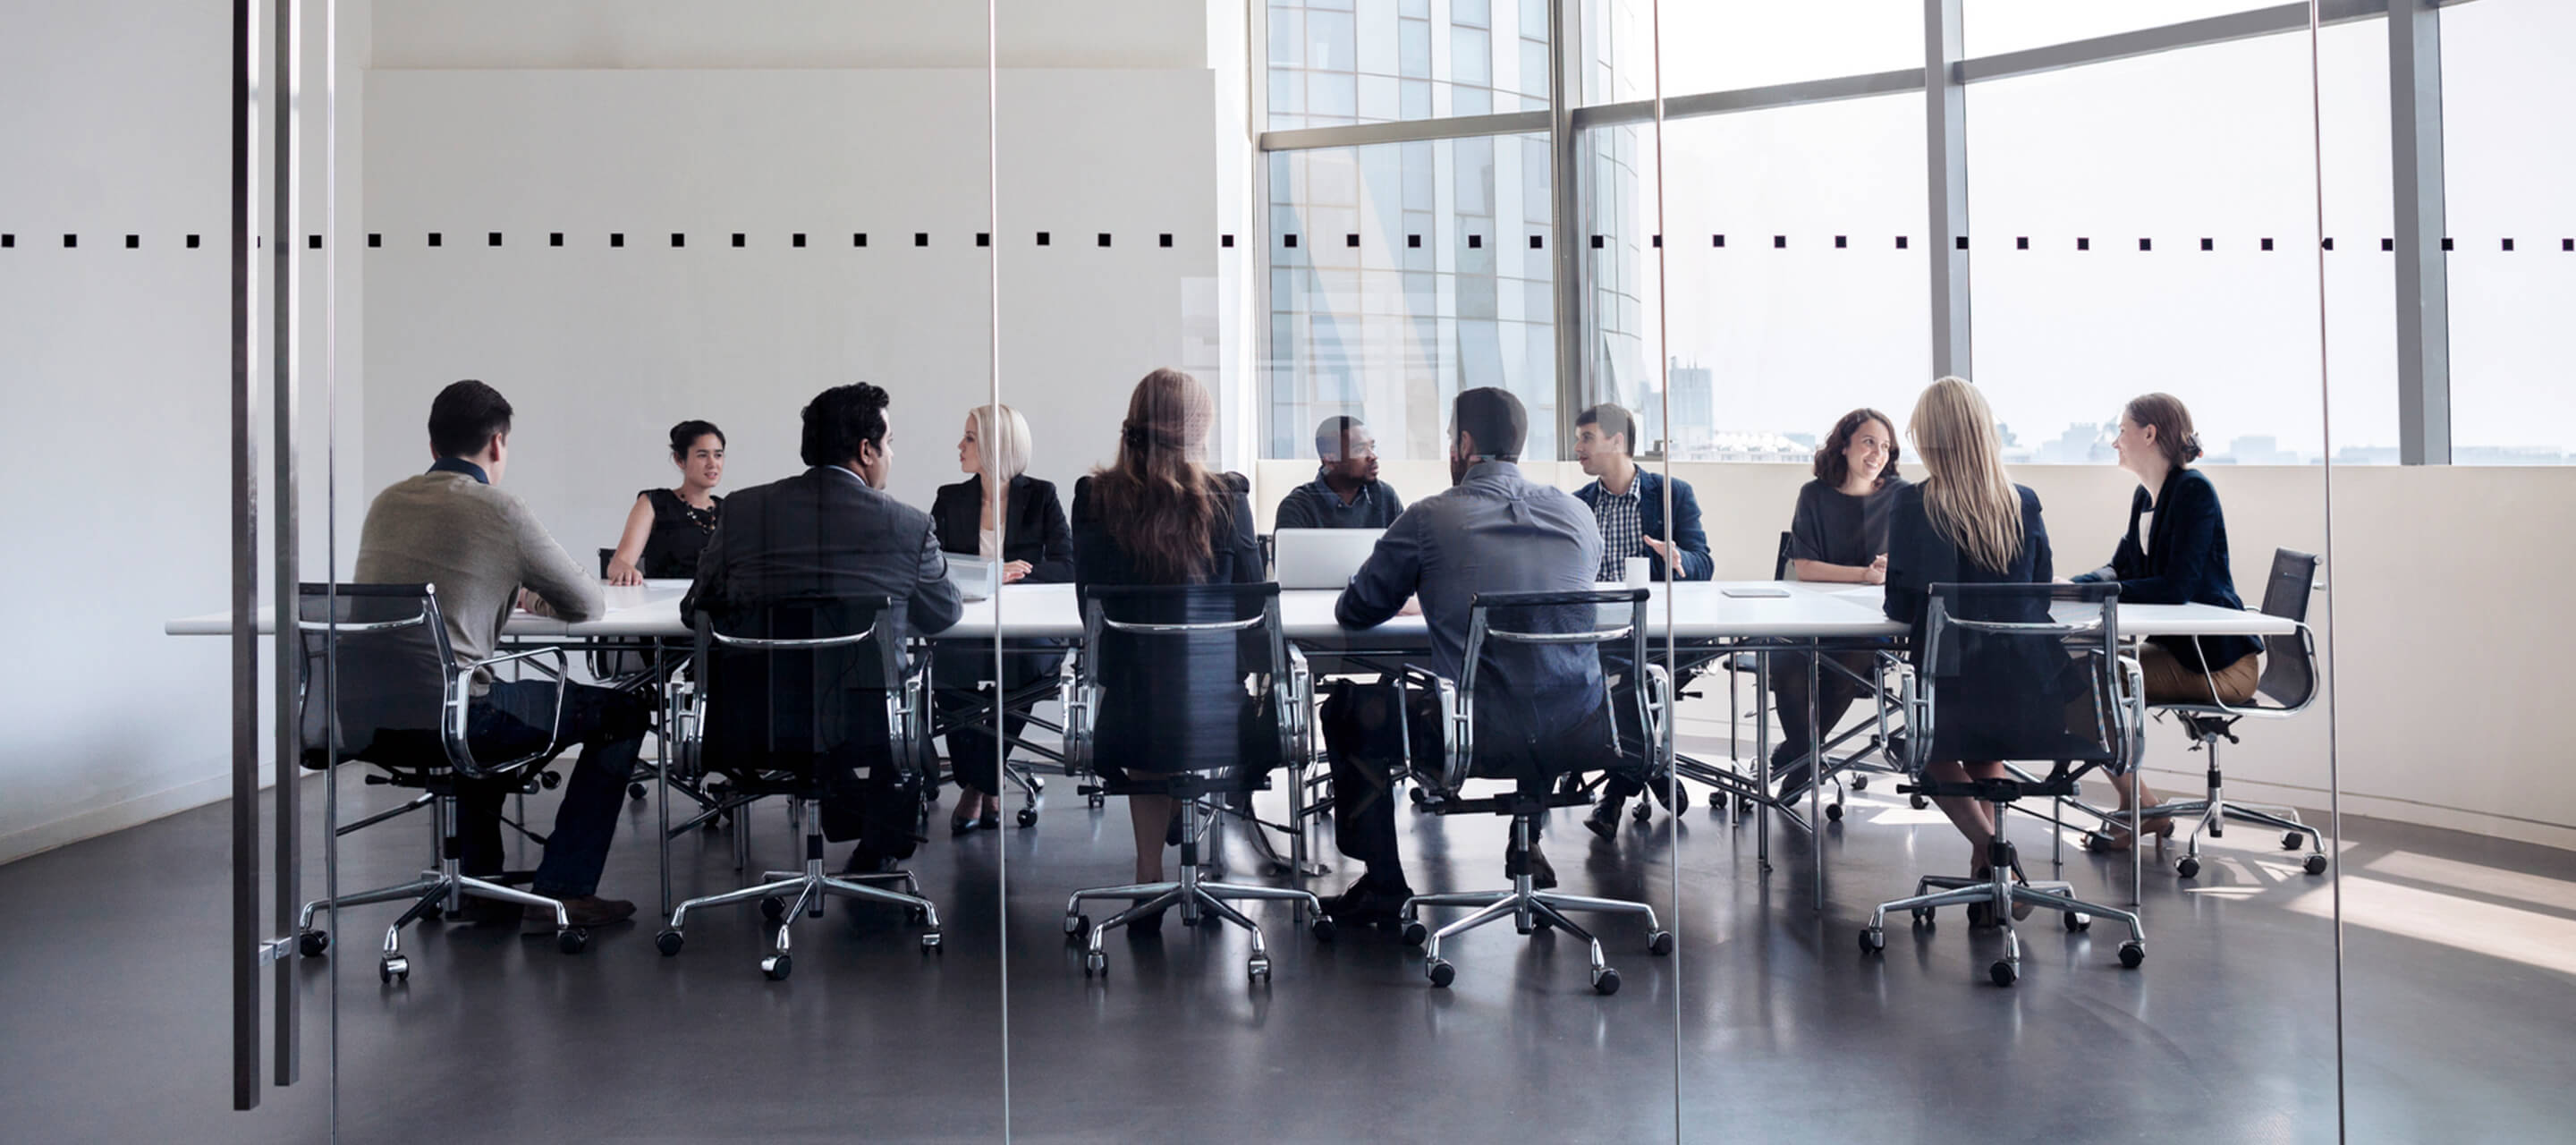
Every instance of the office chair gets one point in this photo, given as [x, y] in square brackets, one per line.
[1191, 692]
[2016, 672]
[2289, 682]
[382, 685]
[1531, 757]
[785, 695]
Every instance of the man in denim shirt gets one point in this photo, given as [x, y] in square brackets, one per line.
[1493, 531]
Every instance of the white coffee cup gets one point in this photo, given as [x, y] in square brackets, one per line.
[1638, 575]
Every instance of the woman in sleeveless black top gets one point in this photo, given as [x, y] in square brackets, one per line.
[667, 528]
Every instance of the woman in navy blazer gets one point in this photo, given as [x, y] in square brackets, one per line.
[1966, 522]
[2174, 553]
[1025, 529]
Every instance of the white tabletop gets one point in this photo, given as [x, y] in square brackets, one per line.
[1698, 611]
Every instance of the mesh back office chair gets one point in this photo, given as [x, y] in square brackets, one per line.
[382, 685]
[2016, 672]
[2289, 684]
[785, 694]
[1158, 704]
[1501, 625]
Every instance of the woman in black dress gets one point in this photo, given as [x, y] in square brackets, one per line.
[1157, 516]
[667, 527]
[999, 513]
[1838, 534]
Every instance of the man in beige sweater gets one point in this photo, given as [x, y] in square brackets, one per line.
[453, 527]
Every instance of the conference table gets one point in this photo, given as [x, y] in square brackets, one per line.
[1699, 619]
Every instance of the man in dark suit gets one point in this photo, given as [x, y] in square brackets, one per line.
[832, 532]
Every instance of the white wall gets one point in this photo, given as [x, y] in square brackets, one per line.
[602, 349]
[790, 34]
[115, 118]
[2449, 683]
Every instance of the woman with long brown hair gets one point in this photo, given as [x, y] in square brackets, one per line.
[1157, 515]
[1966, 522]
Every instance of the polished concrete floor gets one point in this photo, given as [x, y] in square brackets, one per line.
[1767, 1024]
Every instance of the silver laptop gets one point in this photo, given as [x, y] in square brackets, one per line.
[1319, 558]
[975, 579]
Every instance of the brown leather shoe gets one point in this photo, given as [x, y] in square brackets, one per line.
[585, 911]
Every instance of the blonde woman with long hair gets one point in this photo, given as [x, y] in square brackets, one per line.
[1965, 522]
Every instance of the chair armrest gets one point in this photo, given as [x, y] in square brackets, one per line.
[459, 702]
[2307, 645]
[1079, 699]
[1659, 718]
[1457, 730]
[1296, 698]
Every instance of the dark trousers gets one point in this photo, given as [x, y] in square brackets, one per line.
[960, 670]
[510, 721]
[1361, 733]
[1834, 696]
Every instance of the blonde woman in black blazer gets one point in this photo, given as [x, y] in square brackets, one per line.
[1025, 529]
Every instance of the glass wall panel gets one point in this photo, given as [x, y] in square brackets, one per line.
[1998, 26]
[1334, 63]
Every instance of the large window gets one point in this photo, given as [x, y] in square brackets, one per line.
[1339, 62]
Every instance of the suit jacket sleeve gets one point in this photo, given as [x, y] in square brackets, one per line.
[708, 589]
[2043, 564]
[1907, 536]
[1243, 544]
[947, 525]
[1689, 537]
[1386, 579]
[1056, 564]
[2190, 547]
[934, 604]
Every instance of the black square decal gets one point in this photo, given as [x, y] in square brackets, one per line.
[1596, 242]
[1225, 241]
[71, 240]
[797, 240]
[1842, 242]
[2209, 244]
[1413, 242]
[1779, 242]
[2328, 244]
[554, 238]
[2083, 244]
[492, 239]
[1350, 240]
[1534, 243]
[617, 240]
[737, 238]
[1104, 238]
[8, 241]
[1290, 240]
[2267, 244]
[2021, 242]
[1659, 242]
[2446, 244]
[1717, 240]
[983, 238]
[373, 240]
[921, 238]
[311, 242]
[859, 239]
[2388, 244]
[1900, 242]
[678, 239]
[2508, 244]
[1475, 242]
[2146, 244]
[434, 238]
[1044, 238]
[1163, 240]
[192, 242]
[1961, 242]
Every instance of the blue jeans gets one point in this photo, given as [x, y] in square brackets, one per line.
[510, 721]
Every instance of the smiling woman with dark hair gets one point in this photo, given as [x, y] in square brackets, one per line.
[1838, 534]
[668, 527]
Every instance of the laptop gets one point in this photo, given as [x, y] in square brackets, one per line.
[975, 579]
[1319, 558]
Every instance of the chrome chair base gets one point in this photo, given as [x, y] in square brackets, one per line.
[1195, 897]
[784, 895]
[437, 892]
[2210, 816]
[1997, 892]
[1530, 910]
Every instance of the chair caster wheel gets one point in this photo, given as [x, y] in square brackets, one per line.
[668, 942]
[1872, 940]
[930, 942]
[2078, 923]
[312, 943]
[393, 967]
[1660, 943]
[1257, 969]
[2187, 867]
[915, 915]
[1440, 972]
[571, 940]
[1094, 962]
[777, 966]
[2292, 840]
[1415, 934]
[773, 908]
[1833, 812]
[2003, 973]
[1323, 928]
[1077, 925]
[2132, 953]
[1923, 917]
[1644, 814]
[1037, 785]
[1917, 802]
[2316, 865]
[434, 913]
[1097, 802]
[2097, 844]
[1681, 799]
[1028, 817]
[635, 791]
[1860, 783]
[1605, 981]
